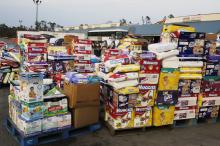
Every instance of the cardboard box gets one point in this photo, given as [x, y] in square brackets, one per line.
[169, 79]
[163, 115]
[82, 94]
[142, 117]
[211, 37]
[50, 124]
[121, 120]
[167, 97]
[84, 116]
[208, 112]
[185, 113]
[184, 101]
[64, 121]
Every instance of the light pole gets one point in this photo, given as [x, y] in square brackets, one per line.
[20, 22]
[37, 3]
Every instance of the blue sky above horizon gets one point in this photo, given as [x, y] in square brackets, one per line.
[76, 12]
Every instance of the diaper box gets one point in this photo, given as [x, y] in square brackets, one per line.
[50, 123]
[121, 120]
[57, 50]
[82, 57]
[211, 84]
[167, 97]
[142, 117]
[31, 87]
[189, 86]
[208, 112]
[29, 127]
[187, 100]
[212, 68]
[146, 95]
[36, 57]
[182, 113]
[55, 106]
[163, 115]
[209, 99]
[32, 111]
[211, 48]
[169, 79]
[148, 78]
[191, 44]
[150, 66]
[64, 121]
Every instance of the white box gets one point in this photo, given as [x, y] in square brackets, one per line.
[49, 124]
[64, 121]
[185, 113]
[186, 101]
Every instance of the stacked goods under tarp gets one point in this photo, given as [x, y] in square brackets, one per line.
[209, 100]
[83, 95]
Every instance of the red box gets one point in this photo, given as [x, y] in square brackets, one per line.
[150, 66]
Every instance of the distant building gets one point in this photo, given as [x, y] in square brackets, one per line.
[195, 18]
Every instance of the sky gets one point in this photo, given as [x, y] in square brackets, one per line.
[76, 12]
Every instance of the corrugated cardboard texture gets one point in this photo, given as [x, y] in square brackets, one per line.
[85, 116]
[82, 94]
[211, 37]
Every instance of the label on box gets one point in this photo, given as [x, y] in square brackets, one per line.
[82, 62]
[146, 98]
[212, 68]
[82, 57]
[185, 113]
[211, 99]
[208, 112]
[211, 48]
[211, 84]
[83, 47]
[169, 79]
[167, 97]
[82, 52]
[150, 66]
[142, 117]
[37, 50]
[57, 50]
[36, 57]
[189, 86]
[186, 101]
[148, 78]
[191, 44]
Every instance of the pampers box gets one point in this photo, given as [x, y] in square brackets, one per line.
[32, 127]
[50, 123]
[55, 106]
[31, 87]
[32, 111]
[163, 115]
[169, 79]
[64, 121]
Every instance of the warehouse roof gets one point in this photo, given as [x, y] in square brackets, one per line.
[205, 26]
[147, 30]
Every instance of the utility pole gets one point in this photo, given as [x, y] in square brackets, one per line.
[37, 3]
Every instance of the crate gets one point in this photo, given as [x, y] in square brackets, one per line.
[47, 137]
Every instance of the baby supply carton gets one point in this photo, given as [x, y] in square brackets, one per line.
[163, 115]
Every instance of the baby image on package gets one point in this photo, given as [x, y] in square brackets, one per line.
[169, 79]
[145, 98]
[163, 115]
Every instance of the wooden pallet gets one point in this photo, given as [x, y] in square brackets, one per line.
[210, 121]
[184, 123]
[48, 137]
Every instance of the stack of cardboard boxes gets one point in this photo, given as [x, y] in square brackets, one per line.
[84, 103]
[209, 100]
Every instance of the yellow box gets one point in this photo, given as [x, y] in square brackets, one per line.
[163, 115]
[142, 117]
[169, 79]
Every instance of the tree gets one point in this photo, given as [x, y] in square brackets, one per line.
[148, 20]
[171, 16]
